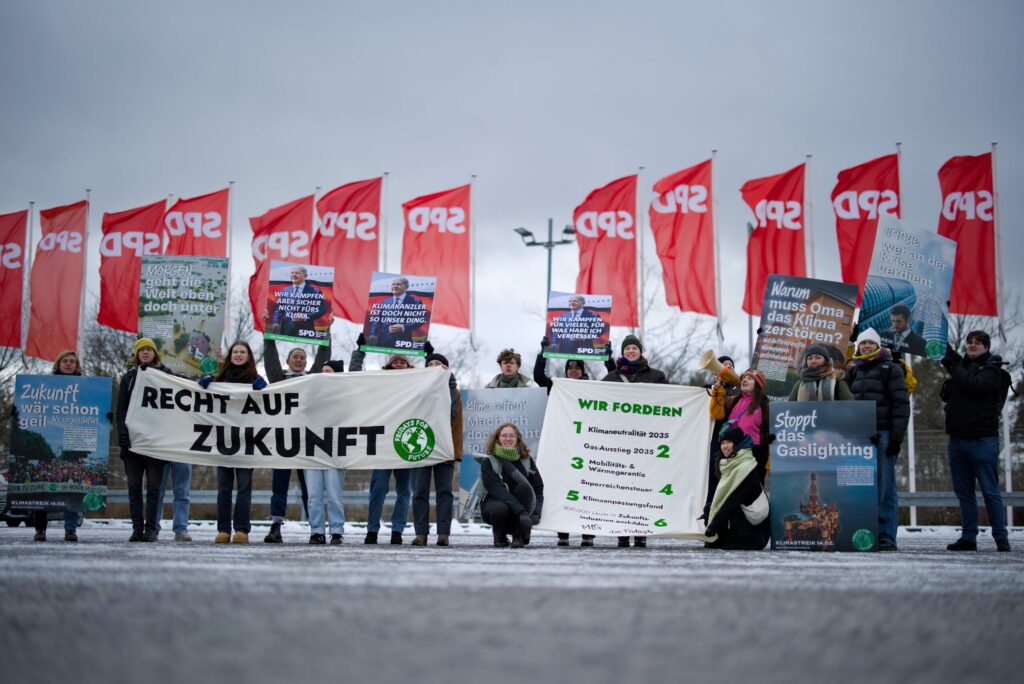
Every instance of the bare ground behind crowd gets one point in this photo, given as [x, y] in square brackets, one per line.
[104, 610]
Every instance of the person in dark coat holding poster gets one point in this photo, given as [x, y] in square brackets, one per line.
[399, 316]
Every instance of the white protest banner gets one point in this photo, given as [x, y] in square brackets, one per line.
[373, 419]
[624, 459]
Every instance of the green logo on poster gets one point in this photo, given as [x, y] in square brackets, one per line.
[92, 501]
[414, 440]
[208, 365]
[863, 540]
[52, 487]
[935, 350]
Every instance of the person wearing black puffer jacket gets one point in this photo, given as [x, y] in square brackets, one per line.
[874, 376]
[136, 466]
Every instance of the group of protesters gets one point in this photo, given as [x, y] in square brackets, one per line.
[736, 514]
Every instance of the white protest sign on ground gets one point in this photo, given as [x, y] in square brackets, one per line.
[624, 459]
[373, 419]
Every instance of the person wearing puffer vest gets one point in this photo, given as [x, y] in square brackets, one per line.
[737, 516]
[874, 376]
[819, 379]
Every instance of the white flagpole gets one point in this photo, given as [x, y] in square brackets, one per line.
[809, 210]
[472, 266]
[85, 268]
[640, 250]
[231, 269]
[382, 234]
[26, 279]
[1000, 302]
[911, 439]
[718, 259]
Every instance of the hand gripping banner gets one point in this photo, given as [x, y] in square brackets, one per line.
[374, 419]
[620, 459]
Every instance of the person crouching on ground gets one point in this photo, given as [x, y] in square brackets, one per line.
[513, 491]
[737, 517]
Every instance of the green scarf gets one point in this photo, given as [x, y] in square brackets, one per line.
[508, 382]
[734, 470]
[506, 453]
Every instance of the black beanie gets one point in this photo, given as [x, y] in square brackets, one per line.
[436, 357]
[632, 339]
[732, 434]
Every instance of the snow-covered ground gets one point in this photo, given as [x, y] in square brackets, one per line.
[104, 610]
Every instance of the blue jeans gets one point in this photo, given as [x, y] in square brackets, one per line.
[380, 481]
[279, 481]
[181, 484]
[977, 459]
[327, 484]
[888, 504]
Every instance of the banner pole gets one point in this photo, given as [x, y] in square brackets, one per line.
[750, 317]
[472, 264]
[640, 251]
[809, 210]
[227, 305]
[1000, 294]
[85, 267]
[26, 279]
[718, 260]
[911, 437]
[382, 238]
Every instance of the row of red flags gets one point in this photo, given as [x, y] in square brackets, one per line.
[436, 241]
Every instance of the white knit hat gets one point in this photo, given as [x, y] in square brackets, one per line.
[868, 335]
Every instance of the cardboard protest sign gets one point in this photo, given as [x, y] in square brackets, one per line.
[578, 325]
[398, 313]
[60, 443]
[624, 459]
[908, 285]
[799, 312]
[823, 476]
[299, 303]
[181, 308]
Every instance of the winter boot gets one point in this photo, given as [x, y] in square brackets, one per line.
[640, 542]
[623, 542]
[274, 535]
[563, 539]
[137, 535]
[419, 540]
[150, 536]
[962, 544]
[222, 538]
[442, 540]
[317, 539]
[1002, 544]
[396, 537]
[517, 542]
[500, 539]
[371, 538]
[40, 535]
[588, 540]
[70, 535]
[240, 538]
[336, 539]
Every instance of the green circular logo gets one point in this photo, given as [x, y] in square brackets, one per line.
[52, 487]
[208, 365]
[863, 540]
[935, 349]
[92, 501]
[413, 440]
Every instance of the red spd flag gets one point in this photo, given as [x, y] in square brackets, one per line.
[56, 281]
[681, 221]
[862, 195]
[777, 243]
[347, 240]
[436, 243]
[12, 273]
[198, 226]
[283, 233]
[127, 235]
[968, 216]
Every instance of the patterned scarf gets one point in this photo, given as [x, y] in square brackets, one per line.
[816, 384]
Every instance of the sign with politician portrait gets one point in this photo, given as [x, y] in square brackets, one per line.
[299, 303]
[578, 325]
[398, 313]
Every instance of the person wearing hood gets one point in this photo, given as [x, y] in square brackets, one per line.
[737, 515]
[633, 367]
[819, 380]
[136, 466]
[874, 376]
[510, 362]
[380, 478]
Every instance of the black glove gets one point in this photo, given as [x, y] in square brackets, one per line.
[143, 366]
[893, 449]
[771, 437]
[427, 347]
[875, 438]
[361, 340]
[524, 520]
[110, 416]
[14, 411]
[951, 358]
[609, 364]
[853, 332]
[534, 519]
[544, 342]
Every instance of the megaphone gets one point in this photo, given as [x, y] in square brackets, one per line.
[709, 362]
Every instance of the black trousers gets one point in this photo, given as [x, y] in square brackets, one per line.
[499, 516]
[135, 466]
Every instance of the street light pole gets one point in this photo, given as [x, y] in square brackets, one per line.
[530, 241]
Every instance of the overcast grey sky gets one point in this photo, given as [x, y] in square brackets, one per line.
[543, 101]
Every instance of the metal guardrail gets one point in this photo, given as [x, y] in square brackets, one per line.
[355, 497]
[949, 500]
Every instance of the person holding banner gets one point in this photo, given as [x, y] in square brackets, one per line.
[633, 367]
[443, 473]
[239, 367]
[66, 363]
[819, 380]
[874, 376]
[295, 364]
[509, 362]
[737, 516]
[513, 493]
[748, 410]
[136, 466]
[380, 478]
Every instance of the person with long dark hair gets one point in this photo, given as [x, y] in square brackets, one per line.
[513, 491]
[238, 366]
[748, 410]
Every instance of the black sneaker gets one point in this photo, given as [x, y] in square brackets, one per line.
[70, 535]
[370, 538]
[396, 537]
[640, 542]
[335, 539]
[962, 544]
[588, 540]
[517, 542]
[274, 535]
[317, 539]
[563, 539]
[151, 536]
[137, 536]
[1002, 544]
[623, 542]
[886, 545]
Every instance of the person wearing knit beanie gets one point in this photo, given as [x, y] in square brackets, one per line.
[397, 362]
[867, 335]
[634, 340]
